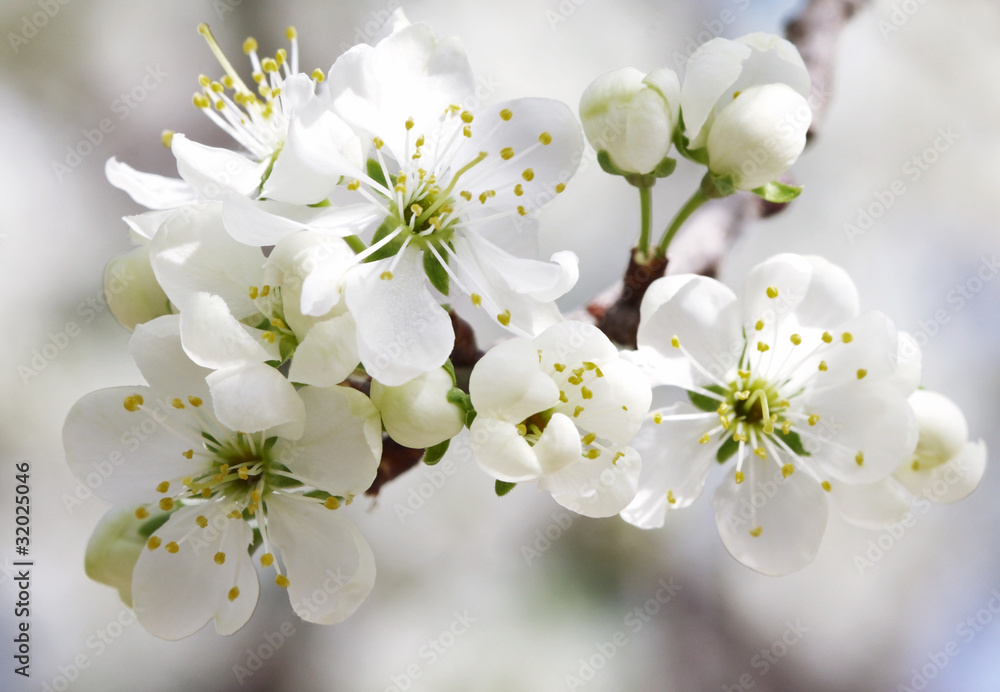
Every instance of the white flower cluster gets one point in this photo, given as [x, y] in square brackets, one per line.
[296, 318]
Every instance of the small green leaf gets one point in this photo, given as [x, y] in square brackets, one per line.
[502, 488]
[727, 450]
[450, 369]
[392, 247]
[374, 169]
[437, 274]
[777, 192]
[706, 403]
[459, 398]
[665, 167]
[794, 442]
[434, 454]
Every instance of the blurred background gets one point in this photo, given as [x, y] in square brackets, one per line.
[479, 593]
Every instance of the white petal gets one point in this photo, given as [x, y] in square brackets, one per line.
[176, 594]
[402, 331]
[148, 189]
[326, 145]
[570, 341]
[774, 59]
[214, 172]
[418, 413]
[597, 487]
[293, 181]
[943, 429]
[341, 445]
[951, 481]
[266, 223]
[257, 397]
[501, 451]
[558, 446]
[790, 514]
[214, 339]
[331, 569]
[711, 70]
[147, 224]
[909, 370]
[328, 354]
[131, 289]
[156, 348]
[123, 455]
[874, 506]
[507, 382]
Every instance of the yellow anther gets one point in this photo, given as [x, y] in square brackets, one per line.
[204, 81]
[466, 195]
[756, 531]
[282, 581]
[506, 114]
[772, 292]
[588, 438]
[704, 439]
[861, 373]
[562, 397]
[331, 502]
[254, 292]
[823, 366]
[814, 419]
[167, 137]
[528, 175]
[744, 374]
[859, 458]
[762, 347]
[201, 520]
[409, 124]
[467, 131]
[267, 559]
[269, 65]
[377, 141]
[318, 75]
[847, 337]
[132, 403]
[577, 411]
[483, 196]
[243, 472]
[768, 427]
[268, 337]
[545, 138]
[617, 456]
[504, 318]
[592, 453]
[739, 477]
[265, 290]
[354, 185]
[518, 190]
[467, 117]
[250, 45]
[477, 300]
[220, 105]
[522, 429]
[506, 153]
[163, 487]
[787, 470]
[166, 504]
[278, 322]
[416, 209]
[206, 493]
[670, 497]
[915, 465]
[575, 380]
[172, 547]
[217, 87]
[586, 393]
[742, 396]
[142, 513]
[234, 593]
[559, 367]
[739, 437]
[826, 486]
[420, 141]
[201, 101]
[385, 276]
[220, 558]
[195, 401]
[675, 341]
[796, 339]
[177, 403]
[522, 211]
[235, 515]
[153, 543]
[786, 427]
[291, 34]
[759, 325]
[761, 452]
[723, 408]
[827, 337]
[560, 187]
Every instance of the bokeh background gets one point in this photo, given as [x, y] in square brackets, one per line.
[474, 592]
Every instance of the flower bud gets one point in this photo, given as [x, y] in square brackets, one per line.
[943, 429]
[758, 135]
[418, 414]
[113, 550]
[134, 296]
[631, 116]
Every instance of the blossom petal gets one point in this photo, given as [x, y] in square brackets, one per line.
[328, 354]
[256, 397]
[507, 382]
[156, 348]
[213, 338]
[501, 451]
[558, 446]
[770, 523]
[331, 569]
[212, 172]
[874, 506]
[266, 223]
[710, 72]
[176, 594]
[951, 481]
[148, 189]
[600, 487]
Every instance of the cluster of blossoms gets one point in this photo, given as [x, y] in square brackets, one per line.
[296, 316]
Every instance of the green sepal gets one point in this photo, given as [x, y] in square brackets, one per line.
[728, 449]
[706, 403]
[459, 398]
[794, 442]
[374, 170]
[777, 192]
[392, 247]
[150, 527]
[449, 368]
[437, 274]
[434, 454]
[681, 142]
[714, 186]
[664, 168]
[607, 165]
[286, 346]
[503, 487]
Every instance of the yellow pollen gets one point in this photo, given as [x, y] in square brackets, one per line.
[761, 346]
[796, 339]
[131, 403]
[814, 419]
[466, 195]
[282, 581]
[167, 137]
[522, 429]
[528, 175]
[250, 45]
[586, 393]
[522, 211]
[153, 543]
[545, 138]
[206, 492]
[744, 374]
[559, 367]
[318, 75]
[657, 417]
[166, 504]
[593, 453]
[826, 486]
[201, 520]
[385, 276]
[163, 487]
[761, 452]
[504, 318]
[506, 114]
[756, 531]
[354, 185]
[704, 439]
[588, 438]
[204, 81]
[827, 337]
[739, 477]
[177, 403]
[861, 373]
[268, 337]
[518, 190]
[220, 558]
[234, 593]
[577, 411]
[562, 397]
[243, 472]
[915, 465]
[739, 437]
[742, 396]
[670, 497]
[787, 470]
[467, 131]
[201, 101]
[618, 456]
[786, 427]
[477, 300]
[409, 124]
[560, 187]
[235, 515]
[331, 502]
[847, 337]
[267, 559]
[172, 547]
[772, 292]
[823, 366]
[759, 325]
[377, 141]
[195, 401]
[506, 153]
[467, 117]
[141, 513]
[269, 65]
[859, 458]
[254, 292]
[675, 342]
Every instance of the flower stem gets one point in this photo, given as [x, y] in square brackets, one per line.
[695, 201]
[355, 243]
[646, 206]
